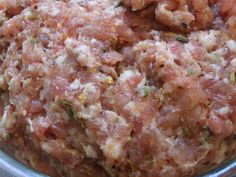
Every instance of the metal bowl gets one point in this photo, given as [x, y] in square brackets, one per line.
[9, 167]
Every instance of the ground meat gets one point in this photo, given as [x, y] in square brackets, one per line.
[186, 15]
[100, 88]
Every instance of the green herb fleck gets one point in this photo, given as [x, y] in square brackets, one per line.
[182, 39]
[21, 3]
[186, 131]
[193, 72]
[67, 105]
[77, 115]
[34, 40]
[143, 91]
[215, 58]
[1, 57]
[232, 78]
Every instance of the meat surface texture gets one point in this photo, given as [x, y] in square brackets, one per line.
[108, 88]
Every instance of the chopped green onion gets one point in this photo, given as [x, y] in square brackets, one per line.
[186, 131]
[193, 72]
[182, 39]
[77, 115]
[232, 78]
[215, 58]
[143, 91]
[1, 57]
[67, 105]
[21, 3]
[34, 40]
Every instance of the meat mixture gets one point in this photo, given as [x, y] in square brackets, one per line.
[109, 88]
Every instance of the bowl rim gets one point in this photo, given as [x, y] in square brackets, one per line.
[15, 168]
[226, 170]
[18, 169]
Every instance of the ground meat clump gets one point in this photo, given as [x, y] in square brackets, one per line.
[188, 15]
[100, 88]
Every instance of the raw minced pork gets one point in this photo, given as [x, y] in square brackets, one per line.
[138, 88]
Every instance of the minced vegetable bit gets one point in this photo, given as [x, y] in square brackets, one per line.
[118, 88]
[181, 38]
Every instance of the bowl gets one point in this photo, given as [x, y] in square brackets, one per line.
[9, 167]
